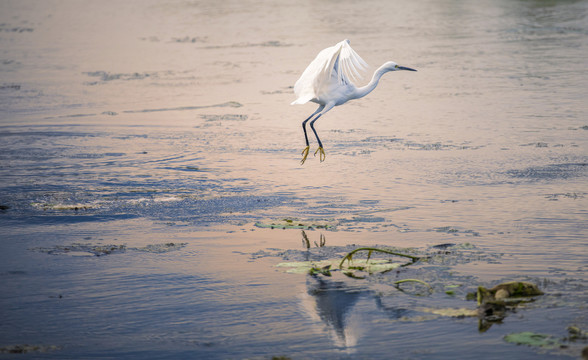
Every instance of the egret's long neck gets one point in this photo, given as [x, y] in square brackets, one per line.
[364, 90]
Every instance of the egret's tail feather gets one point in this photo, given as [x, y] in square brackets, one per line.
[301, 100]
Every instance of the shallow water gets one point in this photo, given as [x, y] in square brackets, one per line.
[141, 123]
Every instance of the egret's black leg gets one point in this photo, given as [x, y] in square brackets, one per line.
[304, 128]
[315, 134]
[320, 108]
[307, 148]
[320, 149]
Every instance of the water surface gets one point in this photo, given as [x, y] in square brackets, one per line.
[142, 123]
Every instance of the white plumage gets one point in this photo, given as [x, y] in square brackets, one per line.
[335, 65]
[327, 81]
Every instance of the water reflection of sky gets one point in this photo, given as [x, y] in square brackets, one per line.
[149, 122]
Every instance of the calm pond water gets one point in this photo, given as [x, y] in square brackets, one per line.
[141, 142]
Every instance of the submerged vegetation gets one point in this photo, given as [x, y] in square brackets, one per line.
[26, 348]
[493, 303]
[79, 249]
[438, 291]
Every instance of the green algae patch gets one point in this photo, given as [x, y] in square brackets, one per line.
[533, 339]
[290, 223]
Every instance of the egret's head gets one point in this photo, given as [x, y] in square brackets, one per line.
[392, 66]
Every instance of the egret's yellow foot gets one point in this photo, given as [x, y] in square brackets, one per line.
[321, 152]
[304, 154]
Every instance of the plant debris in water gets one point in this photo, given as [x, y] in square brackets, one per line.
[533, 339]
[427, 269]
[504, 291]
[353, 268]
[78, 249]
[288, 223]
[570, 345]
[320, 267]
[417, 285]
[371, 250]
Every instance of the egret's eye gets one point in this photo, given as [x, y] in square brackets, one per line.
[396, 66]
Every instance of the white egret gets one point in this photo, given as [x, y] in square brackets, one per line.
[327, 82]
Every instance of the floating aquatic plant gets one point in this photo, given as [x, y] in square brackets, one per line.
[413, 280]
[324, 267]
[533, 339]
[370, 250]
[288, 223]
[505, 291]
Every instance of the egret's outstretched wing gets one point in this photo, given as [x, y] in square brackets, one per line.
[336, 63]
[306, 88]
[350, 63]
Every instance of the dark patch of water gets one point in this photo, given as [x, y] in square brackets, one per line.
[551, 172]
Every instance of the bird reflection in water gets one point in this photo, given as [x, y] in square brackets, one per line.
[329, 303]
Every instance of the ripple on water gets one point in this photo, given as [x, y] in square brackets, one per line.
[551, 172]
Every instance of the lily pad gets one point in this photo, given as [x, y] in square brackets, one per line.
[533, 339]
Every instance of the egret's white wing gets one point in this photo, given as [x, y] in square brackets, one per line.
[339, 63]
[306, 88]
[351, 63]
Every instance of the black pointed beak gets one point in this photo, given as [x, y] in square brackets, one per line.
[405, 68]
